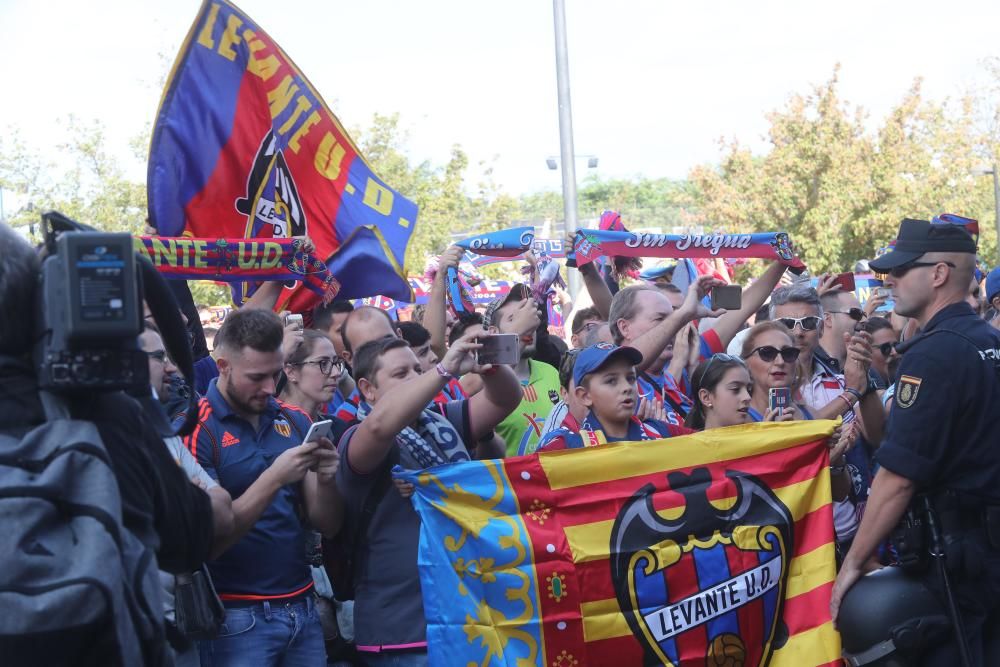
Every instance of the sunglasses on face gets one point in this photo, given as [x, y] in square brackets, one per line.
[855, 314]
[903, 269]
[769, 353]
[885, 349]
[808, 323]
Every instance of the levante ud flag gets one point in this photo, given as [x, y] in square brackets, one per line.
[245, 147]
[710, 549]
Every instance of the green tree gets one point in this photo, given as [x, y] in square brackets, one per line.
[840, 190]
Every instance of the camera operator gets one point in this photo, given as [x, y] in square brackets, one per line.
[159, 505]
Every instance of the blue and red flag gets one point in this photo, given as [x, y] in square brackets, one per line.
[245, 147]
[714, 548]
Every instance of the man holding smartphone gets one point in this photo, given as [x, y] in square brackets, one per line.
[252, 444]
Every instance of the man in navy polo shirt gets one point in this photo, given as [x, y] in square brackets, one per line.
[251, 443]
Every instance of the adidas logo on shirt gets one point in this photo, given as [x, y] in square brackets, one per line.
[228, 439]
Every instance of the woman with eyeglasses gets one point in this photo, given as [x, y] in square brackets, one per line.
[312, 370]
[771, 357]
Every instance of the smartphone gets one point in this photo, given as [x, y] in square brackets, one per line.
[498, 349]
[880, 292]
[727, 297]
[779, 397]
[845, 281]
[293, 319]
[321, 429]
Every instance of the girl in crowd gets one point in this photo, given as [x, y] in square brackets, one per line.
[721, 389]
[312, 370]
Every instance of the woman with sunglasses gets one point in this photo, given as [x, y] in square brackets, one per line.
[771, 358]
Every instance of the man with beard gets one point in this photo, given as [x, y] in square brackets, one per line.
[252, 444]
[517, 313]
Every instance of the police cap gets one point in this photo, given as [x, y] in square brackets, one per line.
[917, 237]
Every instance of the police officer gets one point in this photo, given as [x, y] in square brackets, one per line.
[943, 432]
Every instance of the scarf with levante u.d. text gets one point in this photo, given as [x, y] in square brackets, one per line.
[430, 441]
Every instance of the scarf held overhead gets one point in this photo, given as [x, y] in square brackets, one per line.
[508, 243]
[238, 260]
[591, 244]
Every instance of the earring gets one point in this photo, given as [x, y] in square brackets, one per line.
[710, 405]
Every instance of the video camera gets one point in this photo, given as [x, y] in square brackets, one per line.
[90, 313]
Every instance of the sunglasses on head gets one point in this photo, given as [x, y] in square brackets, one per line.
[808, 323]
[769, 353]
[885, 348]
[721, 357]
[855, 314]
[903, 269]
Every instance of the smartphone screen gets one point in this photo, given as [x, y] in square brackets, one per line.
[293, 319]
[727, 297]
[498, 349]
[779, 397]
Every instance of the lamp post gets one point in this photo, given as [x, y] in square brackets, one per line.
[565, 132]
[995, 173]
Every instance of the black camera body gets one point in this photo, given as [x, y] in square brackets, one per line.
[90, 313]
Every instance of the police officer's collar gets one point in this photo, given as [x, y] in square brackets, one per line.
[957, 309]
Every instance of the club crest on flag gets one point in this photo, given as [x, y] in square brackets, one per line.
[710, 583]
[271, 199]
[783, 246]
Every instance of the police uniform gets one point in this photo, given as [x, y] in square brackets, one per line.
[943, 433]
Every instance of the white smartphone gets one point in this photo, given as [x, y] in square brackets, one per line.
[293, 319]
[321, 429]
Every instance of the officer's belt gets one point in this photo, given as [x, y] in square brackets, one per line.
[963, 515]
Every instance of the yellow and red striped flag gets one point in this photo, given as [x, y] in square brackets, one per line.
[715, 548]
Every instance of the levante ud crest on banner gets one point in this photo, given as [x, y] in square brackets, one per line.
[710, 584]
[272, 200]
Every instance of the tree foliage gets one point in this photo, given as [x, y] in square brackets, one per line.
[840, 189]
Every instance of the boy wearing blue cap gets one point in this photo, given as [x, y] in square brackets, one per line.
[604, 376]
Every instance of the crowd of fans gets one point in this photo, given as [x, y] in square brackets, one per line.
[643, 362]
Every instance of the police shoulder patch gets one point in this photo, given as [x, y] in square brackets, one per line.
[906, 392]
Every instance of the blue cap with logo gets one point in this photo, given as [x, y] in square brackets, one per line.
[593, 358]
[992, 284]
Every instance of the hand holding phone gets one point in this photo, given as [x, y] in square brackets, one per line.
[844, 281]
[779, 397]
[294, 320]
[498, 349]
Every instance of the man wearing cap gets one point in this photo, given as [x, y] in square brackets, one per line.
[517, 313]
[993, 295]
[942, 435]
[604, 382]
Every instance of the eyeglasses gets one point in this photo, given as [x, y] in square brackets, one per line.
[588, 326]
[731, 358]
[769, 353]
[903, 269]
[808, 323]
[159, 355]
[326, 366]
[885, 348]
[855, 314]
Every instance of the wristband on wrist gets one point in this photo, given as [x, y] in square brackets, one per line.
[847, 401]
[854, 392]
[443, 372]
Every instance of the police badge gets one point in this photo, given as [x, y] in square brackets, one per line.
[709, 585]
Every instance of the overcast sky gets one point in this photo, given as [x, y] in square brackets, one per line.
[655, 84]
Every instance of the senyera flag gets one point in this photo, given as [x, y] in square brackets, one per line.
[715, 548]
[244, 147]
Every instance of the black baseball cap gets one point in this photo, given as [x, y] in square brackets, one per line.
[917, 237]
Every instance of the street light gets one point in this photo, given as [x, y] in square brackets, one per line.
[995, 173]
[565, 131]
[553, 162]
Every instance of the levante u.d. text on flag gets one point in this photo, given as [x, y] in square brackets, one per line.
[245, 147]
[712, 548]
